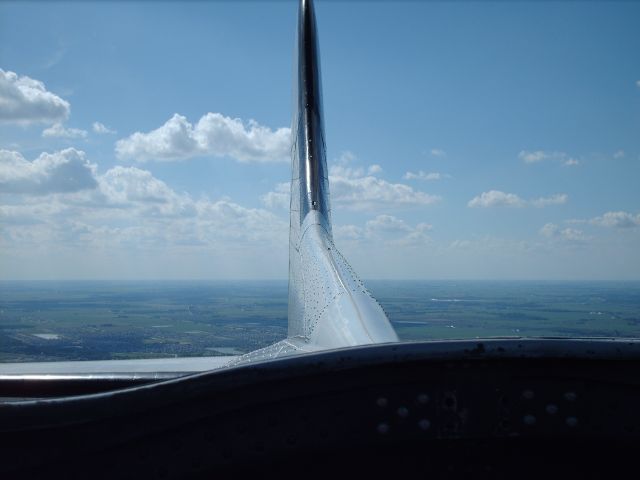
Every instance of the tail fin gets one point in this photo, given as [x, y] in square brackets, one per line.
[329, 307]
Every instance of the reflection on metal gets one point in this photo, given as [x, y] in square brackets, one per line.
[329, 307]
[101, 368]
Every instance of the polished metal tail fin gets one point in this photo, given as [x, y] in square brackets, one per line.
[329, 306]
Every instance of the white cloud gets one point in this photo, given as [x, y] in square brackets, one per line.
[384, 229]
[387, 223]
[124, 208]
[496, 198]
[358, 189]
[136, 198]
[425, 176]
[572, 234]
[24, 100]
[214, 135]
[345, 158]
[619, 154]
[341, 170]
[533, 157]
[59, 131]
[64, 171]
[125, 185]
[347, 232]
[557, 199]
[278, 198]
[373, 169]
[617, 220]
[352, 189]
[549, 230]
[102, 129]
[397, 232]
[437, 152]
[553, 231]
[638, 83]
[538, 156]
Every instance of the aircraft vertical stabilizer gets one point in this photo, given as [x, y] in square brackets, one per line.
[329, 307]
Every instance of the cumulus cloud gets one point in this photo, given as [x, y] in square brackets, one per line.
[134, 196]
[102, 129]
[401, 234]
[387, 223]
[387, 229]
[540, 156]
[496, 198]
[348, 232]
[278, 198]
[553, 231]
[549, 230]
[354, 189]
[345, 158]
[358, 189]
[617, 220]
[59, 131]
[572, 234]
[437, 152]
[213, 135]
[124, 207]
[64, 171]
[425, 176]
[124, 185]
[24, 100]
[533, 157]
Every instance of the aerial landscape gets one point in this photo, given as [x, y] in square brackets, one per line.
[451, 153]
[175, 295]
[56, 321]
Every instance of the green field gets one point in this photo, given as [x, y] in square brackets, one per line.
[428, 310]
[45, 321]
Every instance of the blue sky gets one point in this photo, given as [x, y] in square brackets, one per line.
[466, 140]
